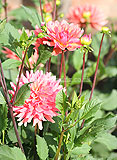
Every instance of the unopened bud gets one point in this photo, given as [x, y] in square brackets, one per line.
[58, 2]
[86, 39]
[47, 7]
[48, 18]
[61, 15]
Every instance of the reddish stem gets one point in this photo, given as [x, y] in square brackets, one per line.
[17, 86]
[58, 62]
[3, 84]
[81, 84]
[41, 11]
[62, 55]
[54, 11]
[64, 73]
[82, 123]
[49, 64]
[53, 18]
[93, 86]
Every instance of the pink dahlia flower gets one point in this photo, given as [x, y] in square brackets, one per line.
[62, 36]
[40, 106]
[87, 14]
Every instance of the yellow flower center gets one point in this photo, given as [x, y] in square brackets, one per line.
[86, 15]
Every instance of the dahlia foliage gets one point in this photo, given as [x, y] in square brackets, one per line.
[78, 58]
[40, 106]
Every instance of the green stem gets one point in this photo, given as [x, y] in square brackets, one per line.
[59, 146]
[3, 135]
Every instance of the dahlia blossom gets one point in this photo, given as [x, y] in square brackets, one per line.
[40, 106]
[87, 14]
[62, 36]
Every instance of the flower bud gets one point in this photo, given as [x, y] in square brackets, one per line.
[86, 39]
[61, 15]
[47, 8]
[106, 30]
[48, 18]
[58, 2]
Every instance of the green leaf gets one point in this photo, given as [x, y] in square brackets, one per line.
[91, 107]
[10, 64]
[32, 16]
[18, 14]
[96, 40]
[11, 133]
[100, 150]
[112, 156]
[76, 78]
[24, 36]
[111, 71]
[56, 127]
[11, 74]
[78, 59]
[96, 128]
[22, 95]
[109, 140]
[3, 117]
[2, 25]
[42, 148]
[2, 100]
[74, 99]
[44, 54]
[52, 143]
[83, 150]
[8, 153]
[61, 102]
[9, 34]
[109, 100]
